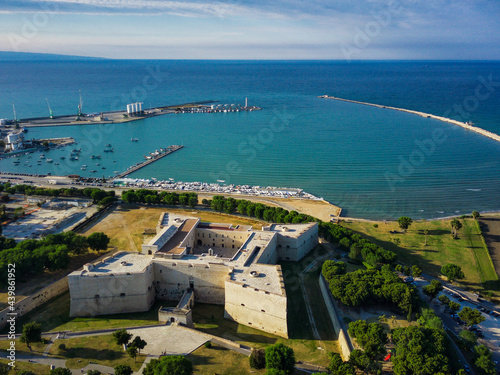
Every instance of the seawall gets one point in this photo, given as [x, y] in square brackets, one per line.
[467, 126]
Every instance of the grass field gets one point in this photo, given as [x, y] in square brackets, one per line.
[218, 360]
[99, 349]
[27, 366]
[125, 224]
[54, 316]
[468, 250]
[37, 348]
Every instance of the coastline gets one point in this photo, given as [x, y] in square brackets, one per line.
[464, 125]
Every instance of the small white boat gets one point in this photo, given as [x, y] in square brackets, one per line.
[49, 161]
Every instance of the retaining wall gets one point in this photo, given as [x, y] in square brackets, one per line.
[36, 299]
[343, 337]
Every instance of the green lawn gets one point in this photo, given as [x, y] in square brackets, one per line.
[37, 348]
[98, 349]
[54, 316]
[218, 360]
[468, 250]
[28, 366]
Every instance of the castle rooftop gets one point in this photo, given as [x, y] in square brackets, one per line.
[120, 263]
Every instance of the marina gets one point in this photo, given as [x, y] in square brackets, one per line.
[157, 155]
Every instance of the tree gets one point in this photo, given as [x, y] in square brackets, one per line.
[444, 299]
[98, 241]
[339, 367]
[475, 215]
[371, 337]
[193, 201]
[258, 359]
[169, 365]
[93, 372]
[123, 370]
[361, 361]
[469, 338]
[345, 243]
[484, 360]
[138, 343]
[404, 222]
[471, 316]
[452, 272]
[416, 271]
[433, 289]
[106, 201]
[60, 371]
[132, 351]
[122, 337]
[454, 306]
[455, 226]
[280, 357]
[32, 332]
[426, 232]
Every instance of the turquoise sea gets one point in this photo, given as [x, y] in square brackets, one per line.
[373, 162]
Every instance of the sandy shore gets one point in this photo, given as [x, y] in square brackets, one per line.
[486, 133]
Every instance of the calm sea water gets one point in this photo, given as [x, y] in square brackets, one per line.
[375, 163]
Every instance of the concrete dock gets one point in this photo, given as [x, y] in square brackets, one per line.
[154, 157]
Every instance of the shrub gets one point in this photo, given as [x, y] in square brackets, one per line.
[62, 346]
[208, 345]
[258, 359]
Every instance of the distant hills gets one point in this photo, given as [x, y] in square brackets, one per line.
[30, 56]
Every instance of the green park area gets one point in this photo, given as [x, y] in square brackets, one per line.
[218, 360]
[102, 350]
[436, 248]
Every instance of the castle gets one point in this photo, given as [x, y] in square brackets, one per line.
[192, 261]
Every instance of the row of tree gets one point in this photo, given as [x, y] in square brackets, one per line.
[257, 210]
[157, 197]
[52, 252]
[99, 196]
[358, 247]
[366, 287]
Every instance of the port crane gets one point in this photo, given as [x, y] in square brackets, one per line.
[50, 110]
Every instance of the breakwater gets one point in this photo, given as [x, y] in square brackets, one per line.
[150, 159]
[465, 125]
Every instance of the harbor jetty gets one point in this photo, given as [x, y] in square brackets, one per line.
[465, 125]
[154, 156]
[133, 112]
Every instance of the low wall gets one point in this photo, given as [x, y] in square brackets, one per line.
[343, 337]
[35, 300]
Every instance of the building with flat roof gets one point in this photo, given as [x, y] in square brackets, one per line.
[234, 266]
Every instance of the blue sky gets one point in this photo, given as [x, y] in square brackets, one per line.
[254, 29]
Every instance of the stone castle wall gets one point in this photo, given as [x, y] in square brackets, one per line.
[294, 249]
[173, 278]
[256, 308]
[36, 299]
[220, 238]
[111, 294]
